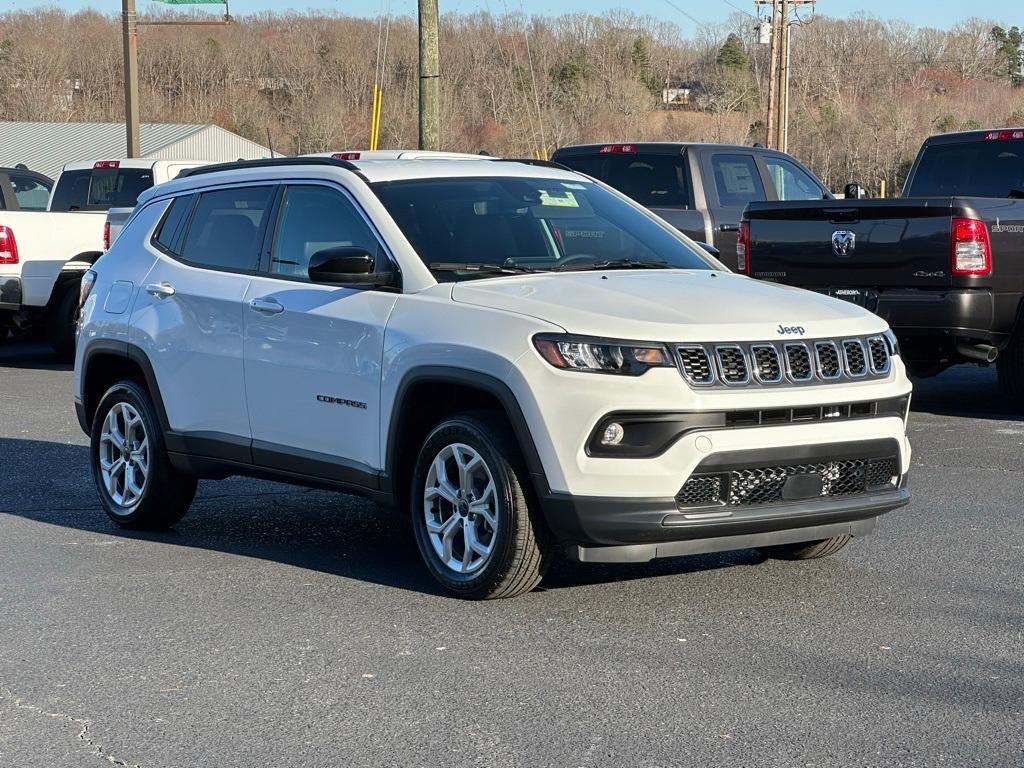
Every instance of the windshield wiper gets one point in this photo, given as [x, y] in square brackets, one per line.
[613, 264]
[483, 269]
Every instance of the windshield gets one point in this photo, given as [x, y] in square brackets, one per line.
[467, 228]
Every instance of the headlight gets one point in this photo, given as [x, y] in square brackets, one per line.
[890, 338]
[580, 353]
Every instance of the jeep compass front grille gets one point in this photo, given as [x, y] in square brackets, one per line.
[766, 363]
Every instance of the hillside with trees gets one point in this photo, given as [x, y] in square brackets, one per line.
[864, 91]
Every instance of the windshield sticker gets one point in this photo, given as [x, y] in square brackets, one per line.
[558, 199]
[580, 187]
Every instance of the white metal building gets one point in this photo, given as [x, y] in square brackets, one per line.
[46, 147]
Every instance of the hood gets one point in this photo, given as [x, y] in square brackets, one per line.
[670, 305]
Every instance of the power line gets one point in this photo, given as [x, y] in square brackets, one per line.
[696, 21]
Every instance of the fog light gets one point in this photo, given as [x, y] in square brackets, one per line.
[613, 434]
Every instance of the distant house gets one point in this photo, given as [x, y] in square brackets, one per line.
[47, 147]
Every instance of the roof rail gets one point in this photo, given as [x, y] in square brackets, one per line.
[272, 162]
[532, 161]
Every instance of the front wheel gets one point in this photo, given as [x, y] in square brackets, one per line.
[807, 550]
[137, 485]
[476, 528]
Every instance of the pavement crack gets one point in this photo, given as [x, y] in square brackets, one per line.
[83, 724]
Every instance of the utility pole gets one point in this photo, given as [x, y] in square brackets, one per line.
[773, 74]
[130, 33]
[430, 90]
[782, 87]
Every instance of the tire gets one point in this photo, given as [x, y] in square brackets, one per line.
[60, 322]
[1010, 370]
[505, 520]
[807, 550]
[165, 494]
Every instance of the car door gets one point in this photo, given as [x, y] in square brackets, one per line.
[313, 352]
[188, 317]
[734, 179]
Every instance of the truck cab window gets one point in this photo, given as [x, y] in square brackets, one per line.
[791, 181]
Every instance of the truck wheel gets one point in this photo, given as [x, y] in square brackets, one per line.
[1010, 370]
[806, 550]
[60, 322]
[137, 485]
[479, 533]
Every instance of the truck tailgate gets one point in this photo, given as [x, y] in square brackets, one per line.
[863, 243]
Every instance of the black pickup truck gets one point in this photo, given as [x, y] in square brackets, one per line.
[700, 189]
[943, 264]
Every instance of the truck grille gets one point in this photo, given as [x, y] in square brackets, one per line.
[820, 361]
[764, 485]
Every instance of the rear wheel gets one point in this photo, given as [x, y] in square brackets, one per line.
[60, 322]
[807, 550]
[137, 485]
[1010, 369]
[475, 525]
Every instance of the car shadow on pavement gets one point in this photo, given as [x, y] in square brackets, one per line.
[318, 530]
[967, 391]
[30, 355]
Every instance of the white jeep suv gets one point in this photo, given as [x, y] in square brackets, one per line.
[517, 357]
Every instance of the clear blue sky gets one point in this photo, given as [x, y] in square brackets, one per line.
[936, 13]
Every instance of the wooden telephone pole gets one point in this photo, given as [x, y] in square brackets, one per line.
[430, 90]
[130, 34]
[777, 119]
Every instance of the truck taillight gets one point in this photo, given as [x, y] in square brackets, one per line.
[345, 155]
[8, 246]
[106, 236]
[743, 248]
[102, 164]
[972, 252]
[1013, 135]
[617, 149]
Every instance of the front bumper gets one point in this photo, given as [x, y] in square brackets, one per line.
[640, 529]
[10, 293]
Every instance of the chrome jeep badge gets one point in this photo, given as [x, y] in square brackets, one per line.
[843, 241]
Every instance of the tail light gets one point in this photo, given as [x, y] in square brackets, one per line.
[618, 149]
[743, 248]
[971, 251]
[106, 236]
[345, 155]
[84, 289]
[8, 246]
[1013, 135]
[101, 164]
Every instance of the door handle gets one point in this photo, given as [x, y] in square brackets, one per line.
[160, 290]
[266, 306]
[728, 227]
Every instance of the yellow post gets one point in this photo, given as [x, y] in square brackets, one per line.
[376, 130]
[883, 189]
[372, 143]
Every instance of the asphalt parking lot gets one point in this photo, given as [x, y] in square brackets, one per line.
[278, 626]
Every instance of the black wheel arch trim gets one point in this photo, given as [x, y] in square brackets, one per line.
[443, 374]
[130, 352]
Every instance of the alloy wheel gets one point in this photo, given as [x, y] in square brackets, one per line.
[460, 506]
[124, 455]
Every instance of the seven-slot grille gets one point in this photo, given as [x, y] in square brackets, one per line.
[820, 361]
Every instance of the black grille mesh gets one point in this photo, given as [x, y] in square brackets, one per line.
[733, 364]
[766, 363]
[700, 492]
[696, 365]
[856, 364]
[828, 359]
[799, 362]
[764, 485]
[879, 354]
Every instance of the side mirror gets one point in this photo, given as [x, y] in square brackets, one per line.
[854, 191]
[347, 265]
[710, 249]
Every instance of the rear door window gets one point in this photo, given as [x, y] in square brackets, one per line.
[653, 180]
[737, 179]
[227, 228]
[31, 193]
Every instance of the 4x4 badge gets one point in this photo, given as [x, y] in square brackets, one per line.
[843, 241]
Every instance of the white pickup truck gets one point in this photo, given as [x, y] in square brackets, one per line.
[44, 253]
